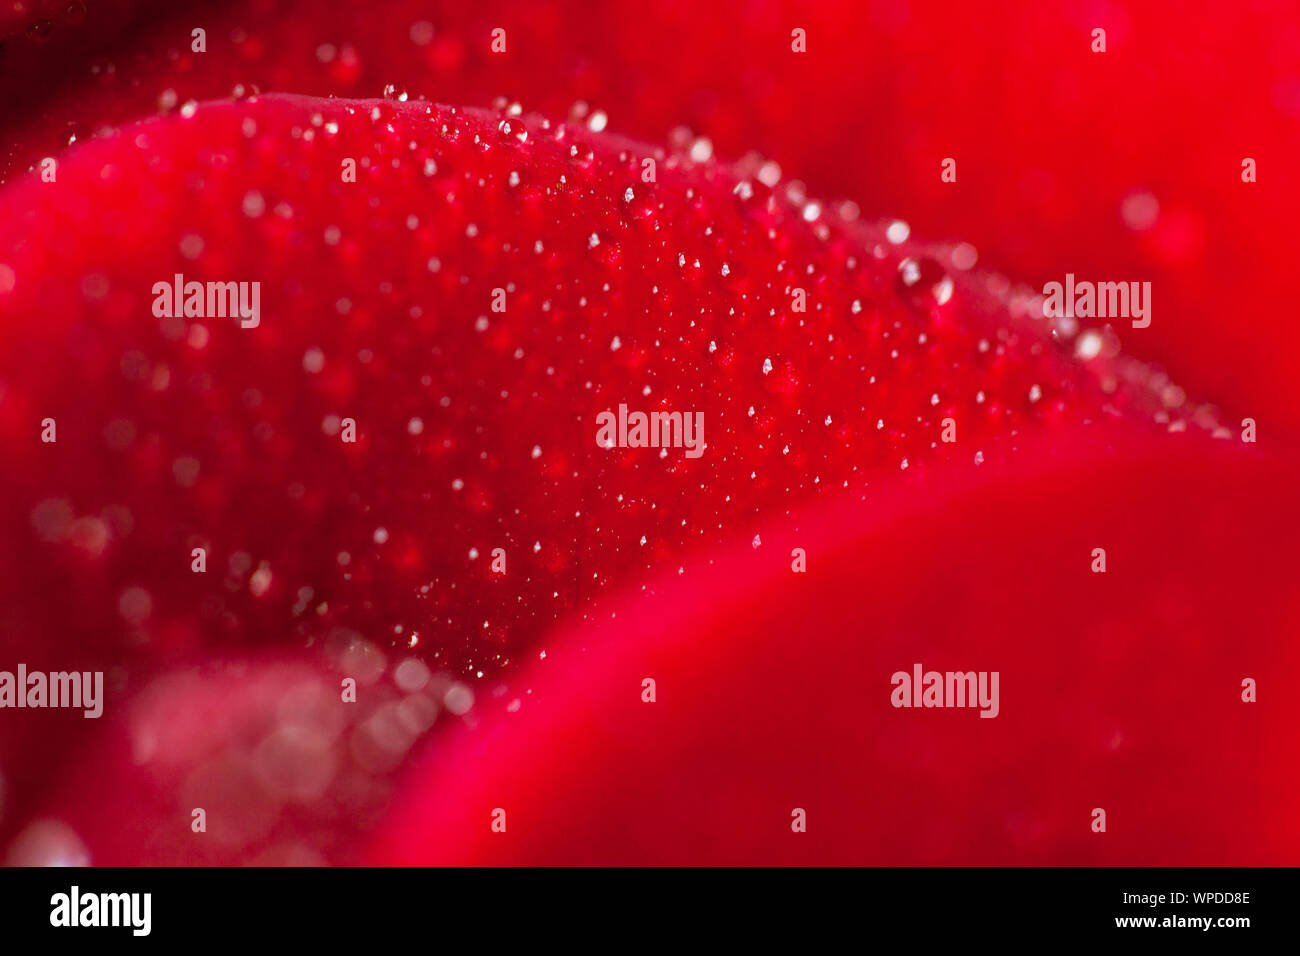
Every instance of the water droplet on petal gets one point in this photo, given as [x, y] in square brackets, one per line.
[898, 231]
[421, 32]
[39, 30]
[581, 155]
[923, 282]
[1088, 345]
[512, 130]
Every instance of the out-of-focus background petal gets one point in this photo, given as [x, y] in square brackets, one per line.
[1120, 691]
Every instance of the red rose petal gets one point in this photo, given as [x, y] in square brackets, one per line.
[1120, 691]
[476, 428]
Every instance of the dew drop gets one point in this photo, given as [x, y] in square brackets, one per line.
[769, 174]
[421, 32]
[581, 155]
[923, 282]
[1088, 345]
[1140, 210]
[898, 231]
[39, 30]
[964, 256]
[513, 131]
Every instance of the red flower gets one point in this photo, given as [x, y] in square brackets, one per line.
[903, 462]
